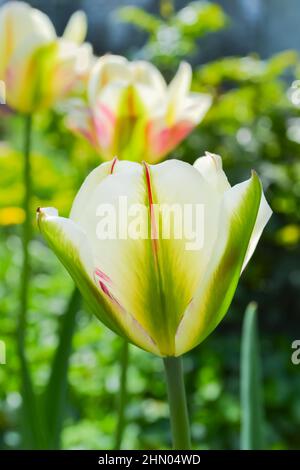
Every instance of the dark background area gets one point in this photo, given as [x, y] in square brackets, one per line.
[262, 26]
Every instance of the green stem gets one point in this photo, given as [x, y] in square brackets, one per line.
[25, 274]
[32, 435]
[56, 391]
[177, 402]
[122, 395]
[252, 419]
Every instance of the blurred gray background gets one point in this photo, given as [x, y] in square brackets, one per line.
[262, 26]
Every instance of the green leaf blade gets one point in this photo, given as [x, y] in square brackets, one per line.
[251, 384]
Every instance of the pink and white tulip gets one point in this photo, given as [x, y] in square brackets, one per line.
[131, 112]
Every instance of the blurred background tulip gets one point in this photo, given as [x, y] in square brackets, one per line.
[37, 67]
[132, 113]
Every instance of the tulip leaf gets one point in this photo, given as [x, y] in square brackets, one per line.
[251, 385]
[55, 395]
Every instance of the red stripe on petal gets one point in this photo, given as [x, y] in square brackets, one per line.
[102, 276]
[103, 280]
[154, 231]
[113, 165]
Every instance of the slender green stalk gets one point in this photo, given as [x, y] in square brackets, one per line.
[177, 402]
[56, 390]
[251, 385]
[26, 236]
[124, 360]
[32, 434]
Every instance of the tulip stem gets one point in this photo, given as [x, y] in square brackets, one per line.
[177, 402]
[124, 361]
[25, 273]
[32, 435]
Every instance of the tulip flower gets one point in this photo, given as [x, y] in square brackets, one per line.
[37, 67]
[161, 293]
[131, 112]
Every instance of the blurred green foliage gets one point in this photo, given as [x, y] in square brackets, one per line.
[253, 123]
[174, 36]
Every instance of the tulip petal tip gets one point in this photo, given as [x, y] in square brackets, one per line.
[46, 211]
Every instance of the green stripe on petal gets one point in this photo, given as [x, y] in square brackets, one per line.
[72, 248]
[216, 289]
[180, 191]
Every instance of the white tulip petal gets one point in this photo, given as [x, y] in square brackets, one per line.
[151, 102]
[110, 98]
[118, 256]
[210, 167]
[178, 90]
[263, 217]
[76, 28]
[186, 224]
[42, 25]
[216, 289]
[125, 260]
[195, 108]
[146, 74]
[107, 69]
[84, 59]
[177, 182]
[72, 247]
[90, 184]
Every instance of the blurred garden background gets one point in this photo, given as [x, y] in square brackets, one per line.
[245, 54]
